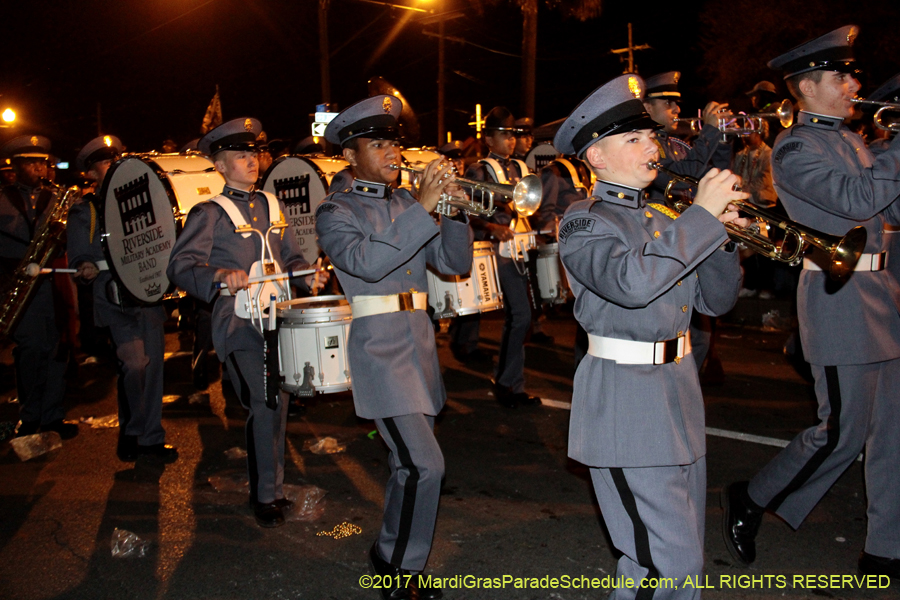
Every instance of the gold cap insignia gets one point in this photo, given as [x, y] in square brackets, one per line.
[851, 35]
[34, 140]
[386, 105]
[634, 87]
[248, 125]
[107, 140]
[676, 77]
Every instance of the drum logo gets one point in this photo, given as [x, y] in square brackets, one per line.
[294, 192]
[135, 205]
[485, 284]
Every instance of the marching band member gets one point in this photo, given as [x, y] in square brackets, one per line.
[379, 240]
[500, 132]
[638, 273]
[39, 363]
[828, 180]
[209, 252]
[137, 331]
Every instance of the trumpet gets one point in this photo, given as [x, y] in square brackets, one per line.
[526, 195]
[843, 251]
[747, 124]
[885, 106]
[784, 113]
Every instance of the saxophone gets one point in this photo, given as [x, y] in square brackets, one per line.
[48, 238]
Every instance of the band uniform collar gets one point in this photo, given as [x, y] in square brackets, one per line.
[236, 194]
[618, 194]
[819, 121]
[371, 190]
[503, 160]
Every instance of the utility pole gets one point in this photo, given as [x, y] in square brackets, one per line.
[324, 66]
[630, 49]
[529, 55]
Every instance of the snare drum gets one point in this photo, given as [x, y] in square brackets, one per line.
[477, 292]
[145, 200]
[551, 279]
[312, 344]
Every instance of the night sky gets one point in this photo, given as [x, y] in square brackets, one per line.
[152, 66]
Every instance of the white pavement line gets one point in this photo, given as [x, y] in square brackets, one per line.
[734, 435]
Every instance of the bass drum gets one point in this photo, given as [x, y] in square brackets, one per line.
[300, 184]
[540, 156]
[192, 176]
[329, 166]
[417, 158]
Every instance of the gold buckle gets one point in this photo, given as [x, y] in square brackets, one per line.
[405, 301]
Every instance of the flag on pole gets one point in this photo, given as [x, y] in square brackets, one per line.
[213, 116]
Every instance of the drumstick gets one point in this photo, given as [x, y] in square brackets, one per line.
[315, 285]
[33, 270]
[273, 277]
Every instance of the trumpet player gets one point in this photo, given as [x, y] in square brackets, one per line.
[850, 329]
[638, 273]
[39, 363]
[379, 239]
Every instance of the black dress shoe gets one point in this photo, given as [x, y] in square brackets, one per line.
[740, 522]
[505, 396]
[523, 399]
[268, 515]
[390, 574]
[164, 452]
[284, 504]
[29, 428]
[127, 448]
[540, 337]
[65, 430]
[200, 375]
[869, 564]
[428, 588]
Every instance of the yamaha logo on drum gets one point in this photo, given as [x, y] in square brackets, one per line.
[135, 207]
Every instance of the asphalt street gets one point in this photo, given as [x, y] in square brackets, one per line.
[514, 506]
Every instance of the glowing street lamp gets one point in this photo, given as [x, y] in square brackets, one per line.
[8, 116]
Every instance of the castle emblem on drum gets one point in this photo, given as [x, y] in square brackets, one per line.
[386, 105]
[135, 205]
[294, 192]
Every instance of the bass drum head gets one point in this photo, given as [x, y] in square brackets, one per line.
[193, 178]
[299, 183]
[329, 166]
[417, 158]
[540, 156]
[139, 227]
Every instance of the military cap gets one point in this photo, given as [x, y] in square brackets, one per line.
[830, 52]
[888, 92]
[100, 148]
[374, 118]
[525, 125]
[452, 149]
[5, 164]
[191, 145]
[308, 145]
[237, 134]
[27, 146]
[664, 85]
[763, 87]
[500, 119]
[615, 107]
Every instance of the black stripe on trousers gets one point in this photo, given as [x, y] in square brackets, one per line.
[641, 537]
[244, 397]
[409, 494]
[832, 426]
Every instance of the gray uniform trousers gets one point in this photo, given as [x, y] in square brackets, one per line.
[40, 366]
[265, 427]
[140, 342]
[413, 490]
[510, 370]
[659, 538]
[858, 405]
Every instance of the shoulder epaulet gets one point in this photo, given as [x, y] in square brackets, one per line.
[664, 210]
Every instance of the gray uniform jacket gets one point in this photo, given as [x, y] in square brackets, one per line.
[378, 247]
[828, 180]
[558, 191]
[683, 158]
[637, 274]
[208, 243]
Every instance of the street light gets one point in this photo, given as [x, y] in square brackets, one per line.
[8, 116]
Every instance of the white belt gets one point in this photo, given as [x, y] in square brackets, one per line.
[102, 265]
[366, 306]
[628, 352]
[867, 262]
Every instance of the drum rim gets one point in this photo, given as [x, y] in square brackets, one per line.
[104, 244]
